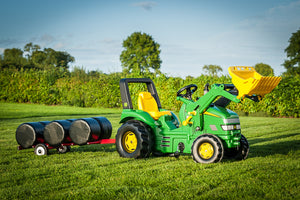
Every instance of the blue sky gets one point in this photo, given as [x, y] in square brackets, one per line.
[192, 33]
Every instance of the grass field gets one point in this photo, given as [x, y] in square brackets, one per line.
[271, 171]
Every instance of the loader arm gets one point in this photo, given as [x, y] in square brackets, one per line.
[205, 101]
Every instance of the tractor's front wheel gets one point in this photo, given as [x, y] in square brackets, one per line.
[244, 149]
[134, 140]
[240, 153]
[207, 149]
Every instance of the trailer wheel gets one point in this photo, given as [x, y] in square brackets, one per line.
[40, 150]
[63, 149]
[240, 153]
[134, 140]
[207, 149]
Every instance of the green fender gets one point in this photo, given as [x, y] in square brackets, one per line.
[129, 114]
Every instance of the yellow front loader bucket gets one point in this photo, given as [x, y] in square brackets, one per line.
[249, 82]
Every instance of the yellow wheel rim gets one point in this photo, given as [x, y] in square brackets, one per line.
[129, 142]
[206, 150]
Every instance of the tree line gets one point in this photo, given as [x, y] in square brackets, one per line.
[32, 57]
[42, 76]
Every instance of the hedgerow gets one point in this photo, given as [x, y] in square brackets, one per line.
[78, 88]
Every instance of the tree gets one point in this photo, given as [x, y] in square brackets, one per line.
[264, 69]
[36, 58]
[140, 54]
[13, 58]
[51, 58]
[30, 48]
[63, 59]
[1, 61]
[212, 70]
[292, 65]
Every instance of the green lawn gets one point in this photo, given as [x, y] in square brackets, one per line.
[271, 171]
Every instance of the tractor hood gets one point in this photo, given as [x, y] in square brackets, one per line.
[220, 112]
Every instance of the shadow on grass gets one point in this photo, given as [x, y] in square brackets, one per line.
[283, 148]
[95, 148]
[265, 139]
[256, 149]
[272, 148]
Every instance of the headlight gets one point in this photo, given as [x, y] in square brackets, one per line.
[231, 127]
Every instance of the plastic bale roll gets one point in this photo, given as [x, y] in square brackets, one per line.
[105, 127]
[85, 130]
[44, 123]
[56, 132]
[72, 120]
[27, 134]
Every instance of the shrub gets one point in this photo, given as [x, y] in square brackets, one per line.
[82, 89]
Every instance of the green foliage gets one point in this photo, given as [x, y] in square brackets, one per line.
[97, 171]
[285, 99]
[12, 58]
[30, 48]
[140, 54]
[264, 69]
[40, 76]
[292, 65]
[96, 89]
[212, 70]
[35, 58]
[30, 86]
[99, 91]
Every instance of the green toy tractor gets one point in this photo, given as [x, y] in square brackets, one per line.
[205, 129]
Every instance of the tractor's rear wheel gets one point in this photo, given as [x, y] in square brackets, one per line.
[207, 149]
[134, 140]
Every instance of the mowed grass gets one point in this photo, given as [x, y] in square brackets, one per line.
[271, 171]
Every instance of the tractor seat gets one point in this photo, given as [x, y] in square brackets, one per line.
[147, 103]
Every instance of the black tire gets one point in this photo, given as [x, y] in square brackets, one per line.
[240, 153]
[134, 140]
[207, 149]
[63, 149]
[40, 150]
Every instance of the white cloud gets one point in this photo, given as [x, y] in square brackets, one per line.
[110, 45]
[256, 39]
[147, 5]
[46, 38]
[98, 55]
[57, 42]
[10, 42]
[44, 41]
[59, 45]
[276, 23]
[285, 8]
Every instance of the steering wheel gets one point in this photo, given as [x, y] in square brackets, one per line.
[190, 89]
